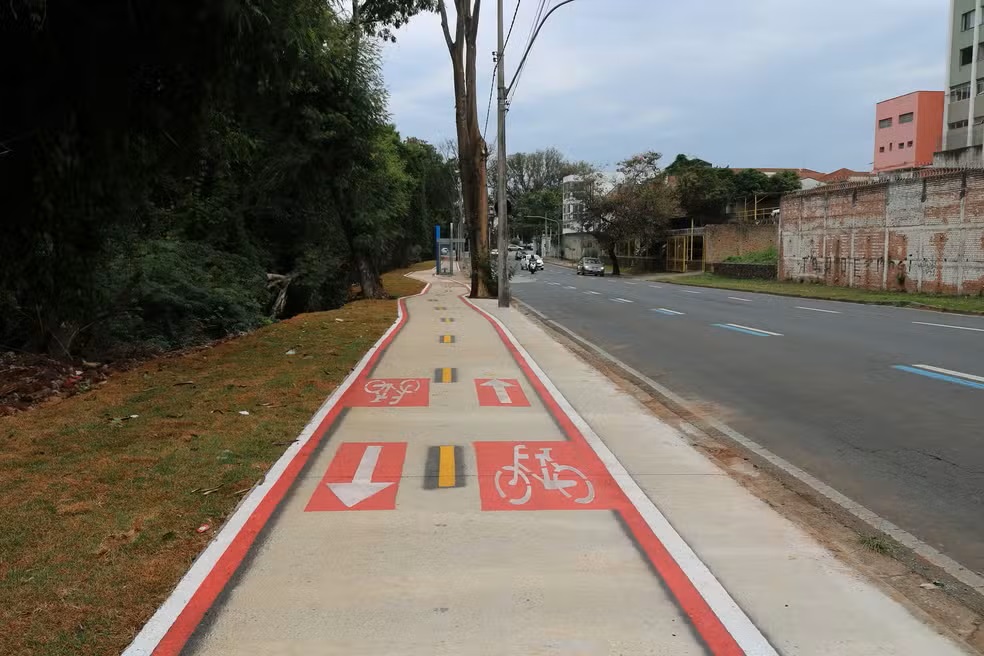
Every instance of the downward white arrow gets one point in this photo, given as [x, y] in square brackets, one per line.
[362, 486]
[500, 387]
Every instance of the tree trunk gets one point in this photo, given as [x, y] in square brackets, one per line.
[471, 146]
[614, 258]
[372, 283]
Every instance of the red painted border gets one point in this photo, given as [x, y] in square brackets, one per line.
[191, 615]
[706, 623]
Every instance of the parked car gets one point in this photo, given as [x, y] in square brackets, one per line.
[590, 266]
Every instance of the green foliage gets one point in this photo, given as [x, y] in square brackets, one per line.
[705, 190]
[158, 162]
[768, 256]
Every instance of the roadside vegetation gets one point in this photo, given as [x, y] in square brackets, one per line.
[964, 304]
[767, 256]
[107, 497]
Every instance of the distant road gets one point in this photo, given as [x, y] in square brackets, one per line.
[884, 404]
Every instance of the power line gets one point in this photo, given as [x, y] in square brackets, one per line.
[495, 68]
[529, 39]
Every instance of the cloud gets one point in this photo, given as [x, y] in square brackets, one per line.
[757, 82]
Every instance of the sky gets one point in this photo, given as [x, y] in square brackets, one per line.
[753, 83]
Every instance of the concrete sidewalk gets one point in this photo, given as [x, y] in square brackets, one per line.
[477, 489]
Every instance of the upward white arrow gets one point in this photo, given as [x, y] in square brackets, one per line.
[500, 387]
[362, 486]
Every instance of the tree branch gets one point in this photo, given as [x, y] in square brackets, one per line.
[444, 26]
[473, 27]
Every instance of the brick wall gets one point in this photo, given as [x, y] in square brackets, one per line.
[727, 239]
[924, 235]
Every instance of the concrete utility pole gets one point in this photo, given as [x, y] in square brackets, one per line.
[503, 275]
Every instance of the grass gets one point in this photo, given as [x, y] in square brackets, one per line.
[101, 494]
[875, 543]
[964, 304]
[768, 256]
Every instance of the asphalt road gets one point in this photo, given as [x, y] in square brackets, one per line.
[819, 386]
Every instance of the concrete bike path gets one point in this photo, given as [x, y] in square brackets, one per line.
[450, 500]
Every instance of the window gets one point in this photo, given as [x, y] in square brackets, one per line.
[956, 125]
[967, 21]
[966, 55]
[889, 147]
[980, 85]
[960, 92]
[909, 145]
[905, 118]
[884, 123]
[882, 149]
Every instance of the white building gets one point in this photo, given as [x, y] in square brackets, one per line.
[573, 188]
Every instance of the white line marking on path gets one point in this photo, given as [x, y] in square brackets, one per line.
[943, 325]
[630, 283]
[656, 286]
[569, 287]
[800, 307]
[595, 293]
[738, 298]
[622, 300]
[757, 330]
[737, 623]
[665, 311]
[691, 291]
[950, 372]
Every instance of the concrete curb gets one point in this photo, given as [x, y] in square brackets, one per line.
[957, 581]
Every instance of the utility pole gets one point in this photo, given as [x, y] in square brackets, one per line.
[503, 275]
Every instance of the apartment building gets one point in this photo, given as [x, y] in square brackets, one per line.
[963, 113]
[908, 130]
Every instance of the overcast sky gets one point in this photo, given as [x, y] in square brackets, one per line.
[755, 83]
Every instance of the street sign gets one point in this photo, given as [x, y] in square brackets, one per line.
[542, 476]
[389, 393]
[500, 392]
[361, 476]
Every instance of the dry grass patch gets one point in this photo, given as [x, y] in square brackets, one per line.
[101, 494]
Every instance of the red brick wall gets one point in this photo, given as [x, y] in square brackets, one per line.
[727, 239]
[934, 229]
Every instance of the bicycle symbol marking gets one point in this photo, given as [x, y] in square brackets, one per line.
[514, 482]
[391, 392]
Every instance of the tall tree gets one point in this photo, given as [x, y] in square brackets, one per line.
[637, 209]
[472, 150]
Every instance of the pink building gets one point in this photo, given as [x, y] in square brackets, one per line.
[908, 130]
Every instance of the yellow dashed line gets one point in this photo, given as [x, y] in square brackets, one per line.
[445, 469]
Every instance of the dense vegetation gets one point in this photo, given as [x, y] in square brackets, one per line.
[173, 172]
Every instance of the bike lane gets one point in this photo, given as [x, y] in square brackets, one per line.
[453, 504]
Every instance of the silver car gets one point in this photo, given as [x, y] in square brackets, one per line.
[590, 266]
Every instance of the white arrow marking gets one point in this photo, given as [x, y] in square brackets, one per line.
[362, 486]
[500, 390]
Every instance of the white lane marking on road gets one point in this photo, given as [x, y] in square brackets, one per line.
[691, 291]
[621, 300]
[755, 330]
[500, 387]
[665, 311]
[630, 283]
[569, 287]
[943, 325]
[595, 293]
[950, 372]
[656, 286]
[800, 307]
[736, 622]
[553, 283]
[361, 487]
[738, 298]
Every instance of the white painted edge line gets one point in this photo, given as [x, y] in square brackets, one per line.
[757, 330]
[801, 307]
[630, 283]
[621, 300]
[970, 578]
[157, 626]
[950, 372]
[943, 325]
[738, 298]
[691, 291]
[746, 634]
[656, 286]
